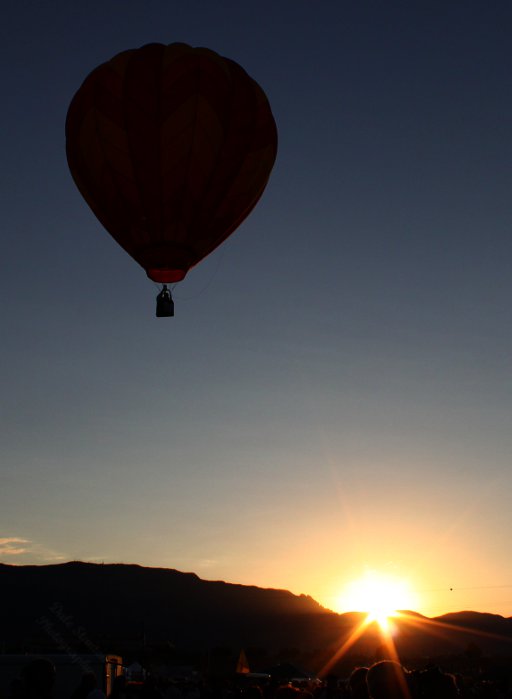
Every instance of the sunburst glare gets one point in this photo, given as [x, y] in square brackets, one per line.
[379, 596]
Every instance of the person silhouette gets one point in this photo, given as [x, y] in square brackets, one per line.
[387, 679]
[357, 683]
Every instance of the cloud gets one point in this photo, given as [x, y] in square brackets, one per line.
[10, 546]
[11, 551]
[13, 540]
[27, 551]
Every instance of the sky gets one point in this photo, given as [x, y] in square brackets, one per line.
[334, 394]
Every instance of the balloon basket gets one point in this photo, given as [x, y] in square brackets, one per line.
[164, 304]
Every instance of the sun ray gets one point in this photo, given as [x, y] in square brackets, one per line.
[344, 648]
[386, 636]
[435, 628]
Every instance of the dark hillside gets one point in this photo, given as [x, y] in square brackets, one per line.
[85, 607]
[128, 600]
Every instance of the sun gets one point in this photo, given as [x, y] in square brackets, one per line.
[379, 596]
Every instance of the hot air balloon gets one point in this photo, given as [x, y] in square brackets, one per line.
[171, 147]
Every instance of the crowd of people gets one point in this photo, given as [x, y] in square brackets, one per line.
[382, 680]
[390, 680]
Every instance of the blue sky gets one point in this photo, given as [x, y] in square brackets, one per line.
[334, 393]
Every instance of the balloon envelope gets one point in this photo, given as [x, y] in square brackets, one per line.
[171, 147]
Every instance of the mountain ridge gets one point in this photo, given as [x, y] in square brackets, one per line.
[110, 605]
